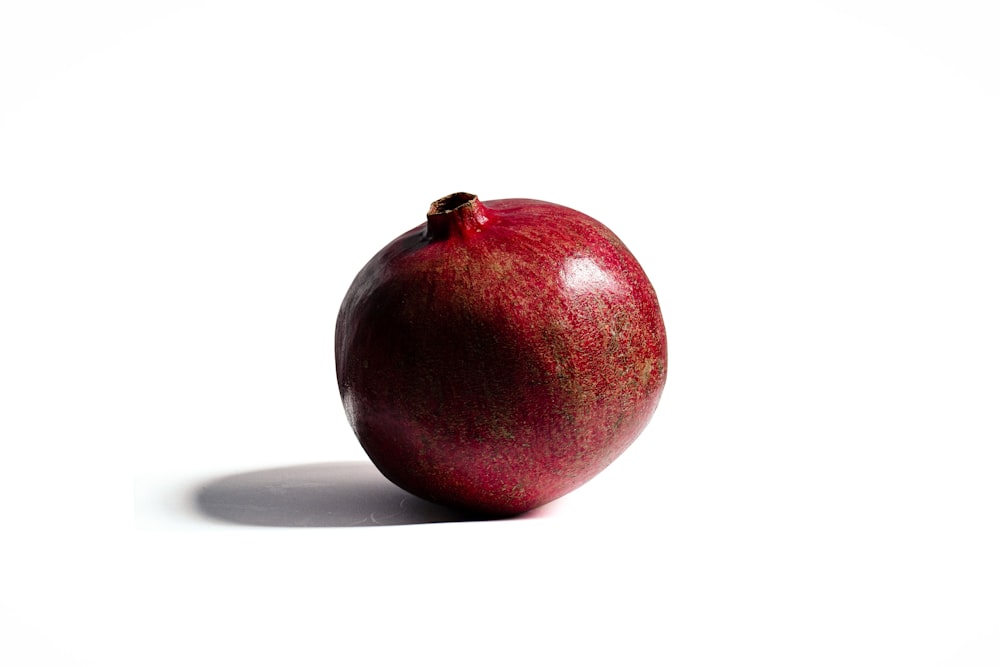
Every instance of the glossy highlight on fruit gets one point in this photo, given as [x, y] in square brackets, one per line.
[499, 355]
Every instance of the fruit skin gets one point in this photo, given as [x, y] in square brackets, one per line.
[500, 355]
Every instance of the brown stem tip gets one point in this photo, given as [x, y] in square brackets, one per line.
[460, 213]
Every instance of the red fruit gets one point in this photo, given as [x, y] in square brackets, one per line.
[500, 355]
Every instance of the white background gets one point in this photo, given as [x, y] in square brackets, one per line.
[188, 188]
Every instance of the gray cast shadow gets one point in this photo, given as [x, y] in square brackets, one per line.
[318, 494]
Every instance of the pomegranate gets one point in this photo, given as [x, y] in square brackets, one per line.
[499, 355]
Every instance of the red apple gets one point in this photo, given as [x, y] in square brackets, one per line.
[500, 355]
